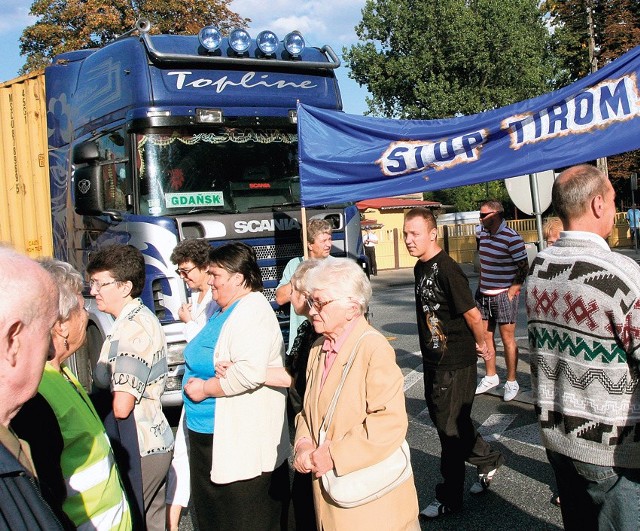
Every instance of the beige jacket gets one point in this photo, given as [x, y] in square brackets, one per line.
[370, 422]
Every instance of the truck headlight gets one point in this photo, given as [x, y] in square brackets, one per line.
[210, 38]
[294, 43]
[175, 353]
[267, 42]
[239, 40]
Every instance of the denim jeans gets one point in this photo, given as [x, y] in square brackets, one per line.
[596, 497]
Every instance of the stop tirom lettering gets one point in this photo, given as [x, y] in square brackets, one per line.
[610, 102]
[411, 156]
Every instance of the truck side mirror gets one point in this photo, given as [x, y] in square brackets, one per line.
[88, 191]
[85, 153]
[88, 186]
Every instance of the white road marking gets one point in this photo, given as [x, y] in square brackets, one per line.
[406, 355]
[495, 425]
[411, 379]
[494, 428]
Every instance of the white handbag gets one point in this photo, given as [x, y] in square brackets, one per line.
[370, 483]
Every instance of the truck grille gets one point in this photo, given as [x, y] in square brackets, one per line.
[284, 250]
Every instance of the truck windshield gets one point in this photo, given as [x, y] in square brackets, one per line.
[224, 169]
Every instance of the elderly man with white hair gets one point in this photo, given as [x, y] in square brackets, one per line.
[28, 310]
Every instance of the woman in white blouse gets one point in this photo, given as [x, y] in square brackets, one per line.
[192, 259]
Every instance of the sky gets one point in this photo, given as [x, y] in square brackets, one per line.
[321, 22]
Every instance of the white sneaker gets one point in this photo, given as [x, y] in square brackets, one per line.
[487, 383]
[510, 390]
[483, 483]
[435, 509]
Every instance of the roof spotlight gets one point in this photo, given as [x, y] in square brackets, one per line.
[210, 38]
[294, 43]
[239, 40]
[267, 42]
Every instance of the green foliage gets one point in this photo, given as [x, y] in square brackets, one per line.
[429, 59]
[65, 25]
[426, 59]
[466, 198]
[615, 30]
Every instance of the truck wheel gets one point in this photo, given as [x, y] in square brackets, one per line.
[87, 357]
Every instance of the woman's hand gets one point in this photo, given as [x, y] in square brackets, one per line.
[221, 368]
[184, 312]
[194, 389]
[302, 457]
[321, 459]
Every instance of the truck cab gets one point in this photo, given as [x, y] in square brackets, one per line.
[155, 139]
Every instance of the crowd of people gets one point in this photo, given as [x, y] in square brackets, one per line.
[332, 403]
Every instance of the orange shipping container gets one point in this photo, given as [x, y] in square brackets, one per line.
[25, 204]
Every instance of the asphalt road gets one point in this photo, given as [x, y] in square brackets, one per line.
[520, 494]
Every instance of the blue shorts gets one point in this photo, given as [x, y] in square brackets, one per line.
[498, 307]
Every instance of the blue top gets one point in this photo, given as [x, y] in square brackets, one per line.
[198, 360]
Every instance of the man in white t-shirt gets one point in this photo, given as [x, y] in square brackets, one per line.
[370, 241]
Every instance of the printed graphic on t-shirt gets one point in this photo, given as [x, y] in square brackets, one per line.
[429, 294]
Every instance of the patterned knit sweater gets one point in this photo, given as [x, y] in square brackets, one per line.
[583, 304]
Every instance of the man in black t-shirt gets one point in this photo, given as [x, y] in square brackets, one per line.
[451, 337]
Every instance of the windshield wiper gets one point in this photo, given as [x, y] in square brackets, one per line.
[217, 210]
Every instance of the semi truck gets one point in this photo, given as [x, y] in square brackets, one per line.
[153, 139]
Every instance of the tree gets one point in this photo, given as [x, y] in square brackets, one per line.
[425, 59]
[65, 25]
[467, 198]
[614, 30]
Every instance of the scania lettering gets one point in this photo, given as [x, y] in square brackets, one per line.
[269, 225]
[154, 139]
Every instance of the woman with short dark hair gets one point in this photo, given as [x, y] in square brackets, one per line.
[237, 425]
[192, 258]
[133, 365]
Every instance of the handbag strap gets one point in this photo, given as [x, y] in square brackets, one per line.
[332, 406]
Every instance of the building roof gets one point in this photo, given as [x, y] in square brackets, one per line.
[395, 203]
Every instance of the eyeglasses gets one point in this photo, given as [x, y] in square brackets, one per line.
[485, 214]
[185, 272]
[99, 285]
[319, 305]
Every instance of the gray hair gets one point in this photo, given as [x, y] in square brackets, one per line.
[344, 278]
[574, 188]
[300, 274]
[316, 227]
[69, 283]
[25, 287]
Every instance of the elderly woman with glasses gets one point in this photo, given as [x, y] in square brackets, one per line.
[133, 366]
[192, 258]
[237, 425]
[70, 449]
[370, 420]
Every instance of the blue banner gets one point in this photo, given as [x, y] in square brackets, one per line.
[349, 158]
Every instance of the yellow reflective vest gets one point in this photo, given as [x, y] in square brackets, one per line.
[95, 496]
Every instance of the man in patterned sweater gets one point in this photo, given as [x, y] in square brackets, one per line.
[583, 304]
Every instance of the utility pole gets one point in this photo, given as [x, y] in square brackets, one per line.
[593, 66]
